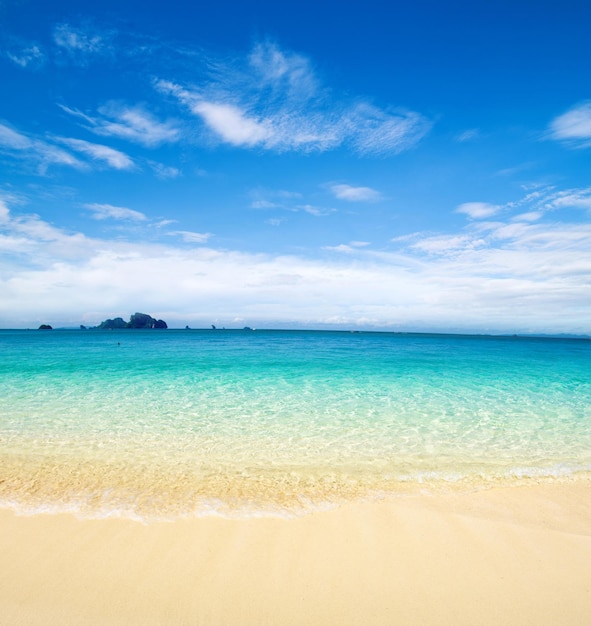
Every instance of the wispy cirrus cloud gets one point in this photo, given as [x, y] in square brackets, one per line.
[30, 56]
[291, 201]
[44, 153]
[189, 236]
[12, 139]
[373, 132]
[164, 172]
[574, 126]
[468, 135]
[108, 211]
[316, 211]
[531, 207]
[528, 216]
[37, 151]
[132, 123]
[274, 199]
[444, 244]
[114, 158]
[283, 72]
[576, 199]
[523, 230]
[27, 240]
[82, 42]
[355, 194]
[275, 101]
[4, 211]
[265, 204]
[498, 240]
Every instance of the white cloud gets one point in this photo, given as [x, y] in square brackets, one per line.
[264, 204]
[28, 241]
[578, 199]
[439, 244]
[288, 195]
[489, 277]
[52, 155]
[133, 123]
[108, 211]
[231, 124]
[10, 138]
[274, 199]
[164, 171]
[77, 113]
[114, 158]
[376, 132]
[283, 71]
[190, 236]
[530, 216]
[286, 201]
[468, 135]
[4, 212]
[342, 247]
[275, 101]
[40, 152]
[510, 171]
[573, 126]
[30, 56]
[533, 206]
[478, 210]
[355, 194]
[556, 248]
[348, 248]
[80, 42]
[316, 211]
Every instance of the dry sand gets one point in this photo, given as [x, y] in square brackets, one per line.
[517, 555]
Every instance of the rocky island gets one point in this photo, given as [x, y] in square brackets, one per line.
[137, 320]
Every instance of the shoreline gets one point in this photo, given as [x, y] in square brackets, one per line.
[510, 555]
[155, 498]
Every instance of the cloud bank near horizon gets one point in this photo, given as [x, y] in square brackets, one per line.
[509, 275]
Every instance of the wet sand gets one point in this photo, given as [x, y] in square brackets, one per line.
[511, 555]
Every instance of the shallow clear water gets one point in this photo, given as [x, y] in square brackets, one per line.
[162, 424]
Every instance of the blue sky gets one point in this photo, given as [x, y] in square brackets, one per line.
[320, 165]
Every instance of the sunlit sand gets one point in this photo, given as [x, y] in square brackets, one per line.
[513, 555]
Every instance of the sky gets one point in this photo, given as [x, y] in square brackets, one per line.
[418, 166]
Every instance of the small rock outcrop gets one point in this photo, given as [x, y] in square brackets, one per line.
[45, 327]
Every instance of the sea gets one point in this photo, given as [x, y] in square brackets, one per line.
[168, 424]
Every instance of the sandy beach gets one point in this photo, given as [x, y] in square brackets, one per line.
[511, 555]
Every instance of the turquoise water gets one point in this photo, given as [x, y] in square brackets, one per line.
[165, 424]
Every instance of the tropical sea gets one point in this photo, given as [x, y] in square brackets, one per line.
[166, 424]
